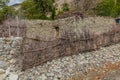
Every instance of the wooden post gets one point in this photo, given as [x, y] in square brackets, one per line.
[9, 28]
[17, 27]
[75, 23]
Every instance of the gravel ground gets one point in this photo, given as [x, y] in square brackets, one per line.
[67, 67]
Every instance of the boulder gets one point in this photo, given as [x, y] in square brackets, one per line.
[2, 76]
[13, 77]
[3, 64]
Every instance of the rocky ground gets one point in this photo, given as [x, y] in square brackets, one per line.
[9, 47]
[103, 64]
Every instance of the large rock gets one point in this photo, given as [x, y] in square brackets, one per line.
[3, 64]
[2, 71]
[2, 76]
[13, 77]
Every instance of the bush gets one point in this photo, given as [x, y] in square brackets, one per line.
[65, 7]
[7, 12]
[38, 9]
[108, 8]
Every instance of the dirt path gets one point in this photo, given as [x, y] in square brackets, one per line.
[111, 71]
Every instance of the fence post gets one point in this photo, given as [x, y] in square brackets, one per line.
[9, 29]
[17, 27]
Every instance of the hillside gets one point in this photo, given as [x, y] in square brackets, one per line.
[84, 7]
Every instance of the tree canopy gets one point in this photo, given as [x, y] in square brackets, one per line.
[3, 2]
[6, 11]
[38, 9]
[108, 8]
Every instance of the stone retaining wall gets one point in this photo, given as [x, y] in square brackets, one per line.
[41, 44]
[42, 29]
[41, 41]
[37, 52]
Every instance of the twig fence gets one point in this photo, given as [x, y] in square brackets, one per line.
[13, 27]
[36, 52]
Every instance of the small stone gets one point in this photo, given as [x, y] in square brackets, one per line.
[13, 77]
[1, 50]
[7, 71]
[50, 74]
[1, 46]
[3, 64]
[9, 57]
[43, 77]
[18, 38]
[12, 52]
[12, 61]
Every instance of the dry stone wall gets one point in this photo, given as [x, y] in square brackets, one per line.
[75, 36]
[41, 45]
[45, 29]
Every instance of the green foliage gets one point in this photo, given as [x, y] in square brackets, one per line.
[1, 16]
[53, 13]
[44, 5]
[60, 12]
[108, 8]
[65, 7]
[38, 9]
[3, 2]
[7, 12]
[28, 9]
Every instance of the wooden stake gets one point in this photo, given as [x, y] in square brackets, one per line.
[17, 27]
[9, 29]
